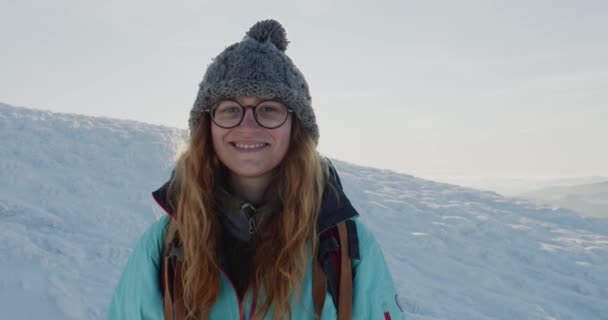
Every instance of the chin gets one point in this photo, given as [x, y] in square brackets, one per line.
[250, 171]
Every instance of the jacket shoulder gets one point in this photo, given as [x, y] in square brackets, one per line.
[368, 245]
[138, 294]
[374, 292]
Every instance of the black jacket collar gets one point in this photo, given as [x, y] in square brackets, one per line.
[335, 206]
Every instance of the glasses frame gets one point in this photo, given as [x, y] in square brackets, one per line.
[245, 108]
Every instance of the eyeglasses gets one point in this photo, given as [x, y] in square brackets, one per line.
[269, 114]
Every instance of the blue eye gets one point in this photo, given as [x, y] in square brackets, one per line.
[230, 109]
[227, 108]
[269, 109]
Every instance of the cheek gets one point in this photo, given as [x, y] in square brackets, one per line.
[285, 138]
[216, 138]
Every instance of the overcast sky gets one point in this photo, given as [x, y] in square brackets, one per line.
[430, 88]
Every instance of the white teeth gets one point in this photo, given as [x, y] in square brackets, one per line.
[249, 146]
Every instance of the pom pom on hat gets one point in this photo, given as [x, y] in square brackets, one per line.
[269, 30]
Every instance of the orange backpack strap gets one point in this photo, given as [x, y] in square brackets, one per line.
[345, 291]
[345, 301]
[319, 287]
[173, 303]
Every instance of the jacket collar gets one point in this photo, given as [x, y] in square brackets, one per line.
[335, 206]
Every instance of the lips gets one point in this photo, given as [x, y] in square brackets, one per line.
[247, 146]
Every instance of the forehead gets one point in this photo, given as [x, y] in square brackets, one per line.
[248, 100]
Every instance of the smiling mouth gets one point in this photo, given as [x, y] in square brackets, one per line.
[249, 146]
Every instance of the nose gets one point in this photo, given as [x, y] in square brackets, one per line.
[249, 119]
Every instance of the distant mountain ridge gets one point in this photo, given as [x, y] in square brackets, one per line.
[75, 196]
[515, 186]
[589, 199]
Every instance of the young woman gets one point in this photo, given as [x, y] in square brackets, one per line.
[257, 220]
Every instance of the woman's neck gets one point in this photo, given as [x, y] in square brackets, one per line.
[250, 189]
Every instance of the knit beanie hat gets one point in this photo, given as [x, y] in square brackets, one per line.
[256, 67]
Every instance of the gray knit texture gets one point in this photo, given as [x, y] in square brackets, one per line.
[256, 67]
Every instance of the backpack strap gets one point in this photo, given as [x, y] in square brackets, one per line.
[319, 287]
[344, 276]
[173, 257]
[345, 301]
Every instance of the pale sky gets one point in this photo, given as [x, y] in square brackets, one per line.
[429, 88]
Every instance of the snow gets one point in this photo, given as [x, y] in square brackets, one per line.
[75, 196]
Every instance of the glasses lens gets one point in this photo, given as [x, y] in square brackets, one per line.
[271, 114]
[227, 113]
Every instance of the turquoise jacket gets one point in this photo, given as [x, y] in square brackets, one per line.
[138, 294]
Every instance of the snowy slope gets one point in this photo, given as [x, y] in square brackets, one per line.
[74, 197]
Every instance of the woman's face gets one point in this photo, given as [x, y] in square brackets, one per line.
[250, 150]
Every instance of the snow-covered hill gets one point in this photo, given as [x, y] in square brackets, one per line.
[74, 197]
